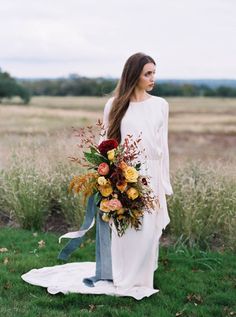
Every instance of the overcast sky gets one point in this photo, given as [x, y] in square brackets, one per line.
[51, 38]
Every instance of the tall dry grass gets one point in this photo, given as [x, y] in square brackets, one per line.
[203, 207]
[35, 183]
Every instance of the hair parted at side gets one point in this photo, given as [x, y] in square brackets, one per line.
[123, 91]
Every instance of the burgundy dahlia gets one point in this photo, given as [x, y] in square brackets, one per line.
[107, 145]
[117, 176]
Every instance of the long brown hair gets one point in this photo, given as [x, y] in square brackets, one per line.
[123, 91]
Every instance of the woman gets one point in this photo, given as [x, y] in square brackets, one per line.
[134, 256]
[132, 111]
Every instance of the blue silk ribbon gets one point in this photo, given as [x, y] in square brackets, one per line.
[103, 243]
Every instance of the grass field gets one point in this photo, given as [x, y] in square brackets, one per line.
[38, 138]
[191, 282]
[199, 128]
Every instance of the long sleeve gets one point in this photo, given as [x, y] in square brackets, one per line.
[165, 149]
[105, 120]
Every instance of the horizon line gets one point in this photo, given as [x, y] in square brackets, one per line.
[117, 78]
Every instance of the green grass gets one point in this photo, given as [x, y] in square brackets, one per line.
[191, 282]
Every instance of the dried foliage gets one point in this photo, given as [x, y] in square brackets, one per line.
[121, 193]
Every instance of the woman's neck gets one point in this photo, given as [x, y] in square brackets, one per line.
[139, 96]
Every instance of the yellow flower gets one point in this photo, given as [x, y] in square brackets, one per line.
[105, 190]
[111, 154]
[104, 205]
[131, 174]
[105, 218]
[120, 211]
[132, 193]
[102, 180]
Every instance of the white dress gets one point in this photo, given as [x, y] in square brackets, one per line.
[135, 254]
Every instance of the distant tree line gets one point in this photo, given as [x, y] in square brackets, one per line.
[9, 88]
[190, 90]
[76, 85]
[82, 86]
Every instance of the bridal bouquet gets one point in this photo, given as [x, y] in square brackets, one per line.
[120, 192]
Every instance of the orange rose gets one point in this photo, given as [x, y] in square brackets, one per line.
[120, 211]
[122, 186]
[123, 165]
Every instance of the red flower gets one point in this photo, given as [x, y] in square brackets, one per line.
[107, 145]
[117, 176]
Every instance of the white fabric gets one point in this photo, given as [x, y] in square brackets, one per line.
[135, 254]
[76, 234]
[67, 278]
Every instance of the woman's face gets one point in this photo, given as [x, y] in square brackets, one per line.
[147, 77]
